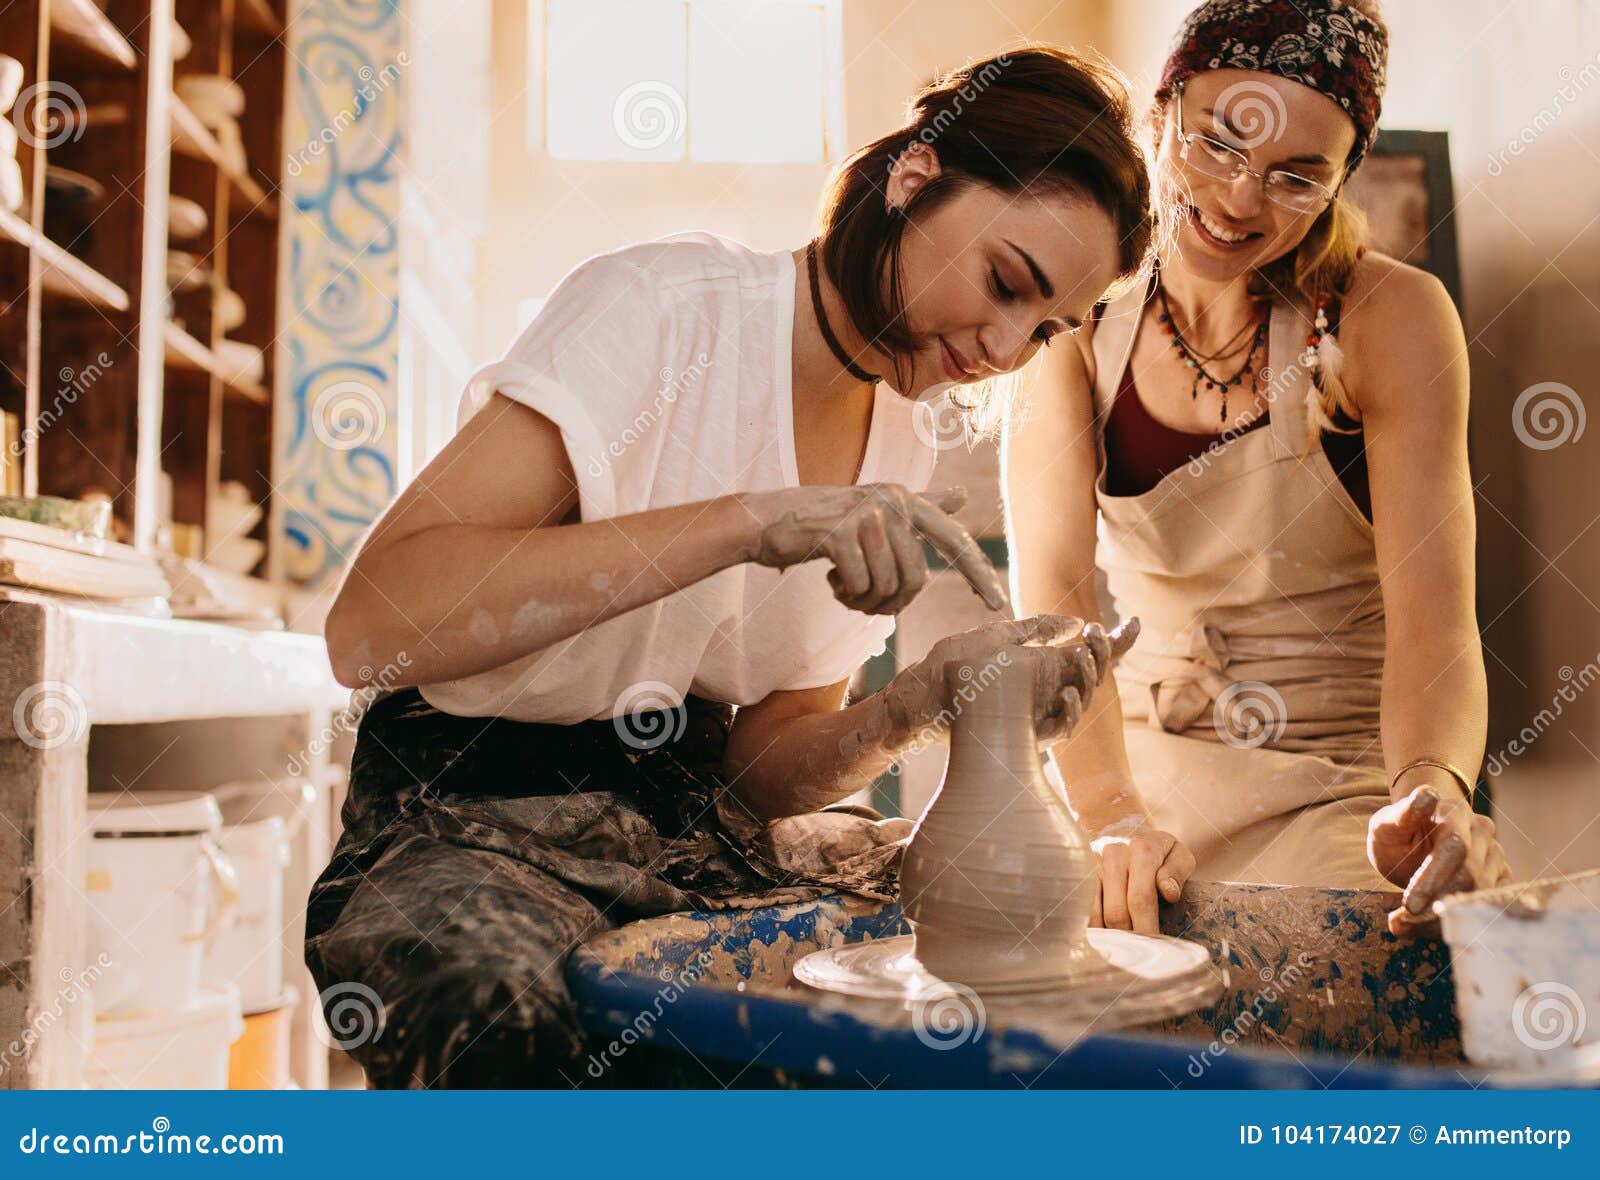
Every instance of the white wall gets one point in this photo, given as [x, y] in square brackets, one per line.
[547, 215]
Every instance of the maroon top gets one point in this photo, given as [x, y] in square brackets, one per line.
[1141, 452]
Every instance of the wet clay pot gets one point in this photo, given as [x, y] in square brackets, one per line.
[998, 880]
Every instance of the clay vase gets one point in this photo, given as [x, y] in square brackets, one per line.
[998, 880]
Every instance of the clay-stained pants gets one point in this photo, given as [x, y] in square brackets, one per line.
[477, 852]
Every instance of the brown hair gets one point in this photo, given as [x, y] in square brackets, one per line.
[1035, 119]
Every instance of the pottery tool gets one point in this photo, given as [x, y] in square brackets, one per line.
[998, 885]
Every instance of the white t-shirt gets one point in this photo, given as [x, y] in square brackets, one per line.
[666, 366]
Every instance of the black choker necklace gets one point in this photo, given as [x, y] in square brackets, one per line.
[834, 346]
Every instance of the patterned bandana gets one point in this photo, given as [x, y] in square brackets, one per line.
[1328, 45]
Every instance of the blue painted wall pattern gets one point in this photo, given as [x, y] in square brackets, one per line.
[337, 420]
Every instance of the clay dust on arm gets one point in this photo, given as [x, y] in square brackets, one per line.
[804, 761]
[481, 560]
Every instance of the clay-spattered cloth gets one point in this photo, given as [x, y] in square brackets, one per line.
[477, 853]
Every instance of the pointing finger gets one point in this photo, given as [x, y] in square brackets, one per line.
[962, 552]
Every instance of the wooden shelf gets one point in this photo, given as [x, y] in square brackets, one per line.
[169, 404]
[184, 352]
[257, 15]
[85, 25]
[63, 273]
[194, 139]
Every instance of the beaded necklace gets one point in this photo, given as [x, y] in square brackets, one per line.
[1197, 362]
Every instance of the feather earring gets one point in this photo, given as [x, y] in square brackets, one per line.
[1325, 359]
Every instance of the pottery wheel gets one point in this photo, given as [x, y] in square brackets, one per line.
[1131, 978]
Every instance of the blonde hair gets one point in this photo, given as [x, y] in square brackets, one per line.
[1319, 270]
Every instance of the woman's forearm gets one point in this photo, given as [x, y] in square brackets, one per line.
[1093, 761]
[1435, 705]
[459, 599]
[1093, 764]
[814, 759]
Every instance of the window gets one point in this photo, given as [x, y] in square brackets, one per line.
[746, 81]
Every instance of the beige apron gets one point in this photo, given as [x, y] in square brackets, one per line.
[1251, 697]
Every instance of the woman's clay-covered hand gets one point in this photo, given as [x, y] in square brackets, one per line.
[1068, 659]
[1433, 846]
[1137, 862]
[873, 536]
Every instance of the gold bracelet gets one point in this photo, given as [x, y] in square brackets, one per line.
[1442, 765]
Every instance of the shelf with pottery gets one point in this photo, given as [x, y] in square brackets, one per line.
[139, 122]
[60, 272]
[83, 24]
[183, 351]
[194, 139]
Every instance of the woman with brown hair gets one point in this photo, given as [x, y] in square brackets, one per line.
[694, 483]
[1273, 430]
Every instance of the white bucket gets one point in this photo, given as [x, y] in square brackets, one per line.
[1526, 961]
[181, 1049]
[158, 889]
[250, 952]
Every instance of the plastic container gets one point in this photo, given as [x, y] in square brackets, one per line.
[259, 1060]
[249, 953]
[159, 889]
[254, 953]
[182, 1049]
[1526, 960]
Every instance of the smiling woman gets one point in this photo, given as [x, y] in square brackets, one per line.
[684, 491]
[1000, 259]
[1272, 424]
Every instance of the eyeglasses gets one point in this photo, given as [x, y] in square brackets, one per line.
[1220, 161]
